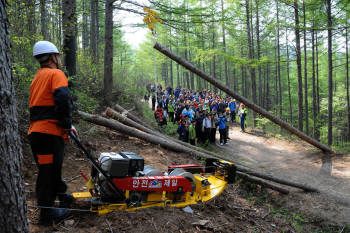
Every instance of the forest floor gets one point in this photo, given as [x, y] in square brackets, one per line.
[243, 207]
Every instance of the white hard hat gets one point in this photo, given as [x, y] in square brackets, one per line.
[44, 47]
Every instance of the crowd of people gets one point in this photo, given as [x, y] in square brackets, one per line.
[198, 114]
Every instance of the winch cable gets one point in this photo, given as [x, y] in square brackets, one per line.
[57, 208]
[96, 165]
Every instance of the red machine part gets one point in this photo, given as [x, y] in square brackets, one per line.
[154, 183]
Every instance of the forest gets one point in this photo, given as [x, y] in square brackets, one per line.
[290, 58]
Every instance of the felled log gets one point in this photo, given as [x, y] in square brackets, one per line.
[111, 113]
[242, 99]
[276, 179]
[115, 125]
[262, 182]
[164, 142]
[127, 113]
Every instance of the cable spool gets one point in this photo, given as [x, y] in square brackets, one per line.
[151, 171]
[188, 175]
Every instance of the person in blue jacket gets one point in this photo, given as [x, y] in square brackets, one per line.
[232, 105]
[222, 129]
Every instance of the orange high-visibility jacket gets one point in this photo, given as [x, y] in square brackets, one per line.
[50, 103]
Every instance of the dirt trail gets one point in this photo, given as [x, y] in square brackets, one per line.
[299, 162]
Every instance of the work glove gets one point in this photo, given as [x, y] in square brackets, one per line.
[74, 131]
[67, 137]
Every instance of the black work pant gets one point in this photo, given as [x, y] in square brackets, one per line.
[212, 135]
[223, 138]
[207, 135]
[171, 117]
[193, 142]
[233, 117]
[153, 105]
[48, 154]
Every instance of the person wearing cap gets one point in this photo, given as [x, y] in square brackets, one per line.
[50, 108]
[243, 115]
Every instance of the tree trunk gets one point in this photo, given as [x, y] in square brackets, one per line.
[347, 81]
[262, 182]
[13, 209]
[69, 35]
[300, 81]
[93, 32]
[258, 53]
[267, 82]
[171, 74]
[330, 72]
[275, 179]
[43, 19]
[224, 44]
[108, 53]
[214, 60]
[98, 37]
[317, 77]
[85, 36]
[305, 75]
[30, 17]
[240, 98]
[60, 26]
[288, 79]
[314, 107]
[178, 83]
[279, 64]
[251, 57]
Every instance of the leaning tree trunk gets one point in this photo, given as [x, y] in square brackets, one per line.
[69, 19]
[12, 197]
[242, 99]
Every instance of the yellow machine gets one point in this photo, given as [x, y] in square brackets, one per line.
[120, 181]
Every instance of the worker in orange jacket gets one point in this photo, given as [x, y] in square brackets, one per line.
[50, 118]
